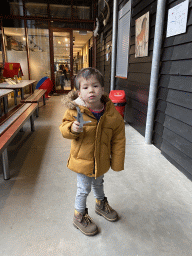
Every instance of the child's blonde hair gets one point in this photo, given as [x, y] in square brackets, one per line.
[86, 73]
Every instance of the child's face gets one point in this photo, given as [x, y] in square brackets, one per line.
[91, 90]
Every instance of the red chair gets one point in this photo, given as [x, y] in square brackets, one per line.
[45, 83]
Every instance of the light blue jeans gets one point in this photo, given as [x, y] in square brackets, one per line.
[84, 186]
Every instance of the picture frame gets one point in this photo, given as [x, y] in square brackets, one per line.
[142, 35]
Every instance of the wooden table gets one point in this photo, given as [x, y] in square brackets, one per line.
[20, 86]
[4, 94]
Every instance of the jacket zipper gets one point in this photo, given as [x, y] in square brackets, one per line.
[96, 136]
[94, 152]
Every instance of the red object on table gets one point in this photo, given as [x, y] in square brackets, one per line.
[119, 100]
[12, 69]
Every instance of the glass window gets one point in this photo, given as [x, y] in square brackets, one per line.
[38, 44]
[82, 9]
[16, 7]
[75, 25]
[60, 11]
[81, 12]
[15, 44]
[36, 8]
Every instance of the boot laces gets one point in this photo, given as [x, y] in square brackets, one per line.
[87, 219]
[108, 207]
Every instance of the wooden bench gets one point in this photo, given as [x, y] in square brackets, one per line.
[10, 124]
[35, 98]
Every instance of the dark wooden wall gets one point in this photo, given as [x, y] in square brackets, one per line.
[137, 84]
[104, 45]
[173, 120]
[173, 117]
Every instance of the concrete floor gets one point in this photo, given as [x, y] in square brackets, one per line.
[153, 199]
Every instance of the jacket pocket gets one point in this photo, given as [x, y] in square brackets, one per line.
[106, 137]
[76, 145]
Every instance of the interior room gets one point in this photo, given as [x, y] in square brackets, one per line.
[39, 52]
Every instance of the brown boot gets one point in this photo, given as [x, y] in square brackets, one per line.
[104, 209]
[84, 223]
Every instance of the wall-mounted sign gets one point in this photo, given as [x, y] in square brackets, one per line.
[177, 19]
[142, 35]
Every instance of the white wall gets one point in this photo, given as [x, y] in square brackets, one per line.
[19, 57]
[39, 65]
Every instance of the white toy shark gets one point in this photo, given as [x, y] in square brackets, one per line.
[79, 118]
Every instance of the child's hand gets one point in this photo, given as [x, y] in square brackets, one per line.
[75, 127]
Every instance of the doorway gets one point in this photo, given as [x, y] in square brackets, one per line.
[70, 52]
[61, 59]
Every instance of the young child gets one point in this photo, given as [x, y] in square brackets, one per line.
[96, 147]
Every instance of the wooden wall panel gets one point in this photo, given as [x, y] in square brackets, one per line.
[180, 83]
[171, 160]
[173, 118]
[179, 52]
[137, 83]
[104, 39]
[179, 113]
[178, 142]
[177, 156]
[174, 98]
[180, 128]
[175, 68]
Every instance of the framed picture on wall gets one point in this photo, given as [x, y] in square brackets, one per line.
[142, 35]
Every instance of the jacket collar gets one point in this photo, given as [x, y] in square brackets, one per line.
[109, 107]
[79, 102]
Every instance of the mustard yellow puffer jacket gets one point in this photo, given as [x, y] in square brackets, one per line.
[100, 145]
